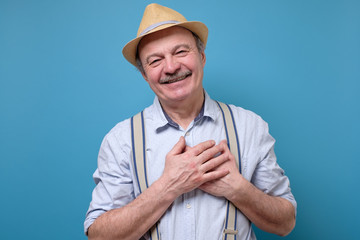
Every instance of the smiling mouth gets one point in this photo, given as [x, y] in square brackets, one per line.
[176, 78]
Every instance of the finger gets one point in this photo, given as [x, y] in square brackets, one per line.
[210, 153]
[224, 145]
[201, 147]
[214, 163]
[214, 175]
[178, 147]
[226, 149]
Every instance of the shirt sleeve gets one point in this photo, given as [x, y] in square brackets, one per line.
[268, 176]
[113, 178]
[258, 159]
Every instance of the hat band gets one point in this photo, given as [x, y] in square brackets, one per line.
[155, 25]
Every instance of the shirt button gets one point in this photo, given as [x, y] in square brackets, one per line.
[187, 133]
[188, 206]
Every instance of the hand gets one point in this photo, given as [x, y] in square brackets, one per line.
[225, 186]
[186, 168]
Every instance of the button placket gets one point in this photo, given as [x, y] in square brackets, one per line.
[189, 215]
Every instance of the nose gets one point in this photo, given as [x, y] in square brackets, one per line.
[171, 65]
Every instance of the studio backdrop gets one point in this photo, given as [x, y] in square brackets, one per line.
[64, 84]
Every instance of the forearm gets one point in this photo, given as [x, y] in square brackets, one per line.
[271, 214]
[135, 219]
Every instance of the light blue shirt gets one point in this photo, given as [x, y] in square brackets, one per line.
[196, 214]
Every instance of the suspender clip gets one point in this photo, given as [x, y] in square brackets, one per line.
[230, 231]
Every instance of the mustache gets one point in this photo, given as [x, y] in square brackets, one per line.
[176, 77]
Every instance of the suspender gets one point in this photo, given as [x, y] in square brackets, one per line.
[139, 164]
[233, 143]
[139, 160]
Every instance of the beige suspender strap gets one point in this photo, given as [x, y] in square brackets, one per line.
[154, 231]
[139, 160]
[231, 133]
[138, 144]
[230, 230]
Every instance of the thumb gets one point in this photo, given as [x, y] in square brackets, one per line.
[178, 147]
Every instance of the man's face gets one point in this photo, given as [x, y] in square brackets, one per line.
[172, 64]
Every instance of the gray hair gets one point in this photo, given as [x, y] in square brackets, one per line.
[199, 44]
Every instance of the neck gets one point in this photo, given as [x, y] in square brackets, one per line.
[184, 112]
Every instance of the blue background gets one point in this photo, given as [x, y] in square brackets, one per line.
[64, 84]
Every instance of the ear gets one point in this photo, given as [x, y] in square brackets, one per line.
[203, 58]
[144, 75]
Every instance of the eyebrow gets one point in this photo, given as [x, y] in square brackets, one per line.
[172, 50]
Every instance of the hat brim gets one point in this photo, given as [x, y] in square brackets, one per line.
[199, 28]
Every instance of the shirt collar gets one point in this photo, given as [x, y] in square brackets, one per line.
[210, 107]
[163, 120]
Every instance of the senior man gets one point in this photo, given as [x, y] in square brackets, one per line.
[193, 177]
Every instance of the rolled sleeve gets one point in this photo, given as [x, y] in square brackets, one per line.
[113, 179]
[268, 175]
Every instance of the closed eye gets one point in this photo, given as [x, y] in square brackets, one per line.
[154, 61]
[181, 52]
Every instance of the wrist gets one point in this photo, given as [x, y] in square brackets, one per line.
[241, 188]
[165, 190]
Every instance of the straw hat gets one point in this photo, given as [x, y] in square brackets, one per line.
[156, 18]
